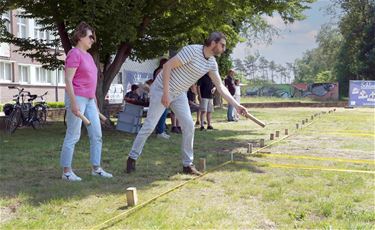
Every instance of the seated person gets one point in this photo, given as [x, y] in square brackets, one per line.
[133, 97]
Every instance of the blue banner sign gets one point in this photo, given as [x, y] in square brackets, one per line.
[362, 93]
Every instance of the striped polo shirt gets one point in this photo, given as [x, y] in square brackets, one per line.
[194, 66]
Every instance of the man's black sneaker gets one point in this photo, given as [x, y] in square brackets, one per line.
[210, 127]
[202, 128]
[130, 165]
[191, 170]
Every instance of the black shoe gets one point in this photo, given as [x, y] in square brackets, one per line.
[191, 170]
[202, 128]
[179, 129]
[174, 130]
[130, 165]
[210, 127]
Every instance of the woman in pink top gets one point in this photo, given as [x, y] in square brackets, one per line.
[81, 80]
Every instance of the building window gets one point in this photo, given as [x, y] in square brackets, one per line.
[24, 73]
[6, 17]
[43, 76]
[38, 33]
[5, 71]
[41, 34]
[22, 29]
[61, 77]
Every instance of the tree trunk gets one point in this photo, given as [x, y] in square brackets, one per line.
[106, 76]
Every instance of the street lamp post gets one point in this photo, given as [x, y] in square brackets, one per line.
[57, 78]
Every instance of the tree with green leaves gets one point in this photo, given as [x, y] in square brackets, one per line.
[141, 29]
[356, 56]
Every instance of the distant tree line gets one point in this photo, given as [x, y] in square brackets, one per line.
[346, 50]
[257, 68]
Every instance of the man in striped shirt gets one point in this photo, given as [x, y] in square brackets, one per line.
[169, 90]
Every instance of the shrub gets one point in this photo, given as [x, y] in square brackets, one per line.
[56, 104]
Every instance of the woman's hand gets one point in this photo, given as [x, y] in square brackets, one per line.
[75, 110]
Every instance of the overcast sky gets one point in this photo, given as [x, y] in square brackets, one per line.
[294, 39]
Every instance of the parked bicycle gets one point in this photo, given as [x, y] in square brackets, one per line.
[24, 113]
[41, 107]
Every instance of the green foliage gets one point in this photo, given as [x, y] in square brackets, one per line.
[56, 104]
[346, 51]
[141, 29]
[320, 59]
[325, 77]
[356, 58]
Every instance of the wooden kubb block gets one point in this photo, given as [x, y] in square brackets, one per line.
[202, 164]
[131, 196]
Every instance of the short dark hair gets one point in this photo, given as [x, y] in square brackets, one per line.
[81, 31]
[162, 61]
[214, 36]
[134, 87]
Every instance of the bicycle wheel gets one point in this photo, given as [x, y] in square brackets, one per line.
[41, 115]
[12, 121]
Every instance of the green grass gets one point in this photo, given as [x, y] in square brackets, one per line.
[32, 195]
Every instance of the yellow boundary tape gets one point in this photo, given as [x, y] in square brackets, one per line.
[350, 134]
[213, 169]
[281, 155]
[157, 196]
[349, 131]
[307, 167]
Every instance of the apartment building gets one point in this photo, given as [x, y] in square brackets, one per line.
[24, 72]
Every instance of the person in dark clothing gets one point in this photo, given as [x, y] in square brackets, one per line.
[229, 83]
[194, 107]
[132, 95]
[160, 127]
[206, 90]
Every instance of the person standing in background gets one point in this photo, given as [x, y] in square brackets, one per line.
[229, 83]
[237, 96]
[206, 90]
[81, 79]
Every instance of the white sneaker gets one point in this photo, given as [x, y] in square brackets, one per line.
[101, 173]
[163, 135]
[70, 176]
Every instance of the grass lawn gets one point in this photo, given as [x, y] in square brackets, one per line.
[252, 194]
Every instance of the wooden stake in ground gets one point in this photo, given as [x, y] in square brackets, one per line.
[277, 133]
[271, 136]
[131, 196]
[202, 164]
[286, 132]
[249, 148]
[312, 117]
[261, 143]
[303, 122]
[297, 126]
